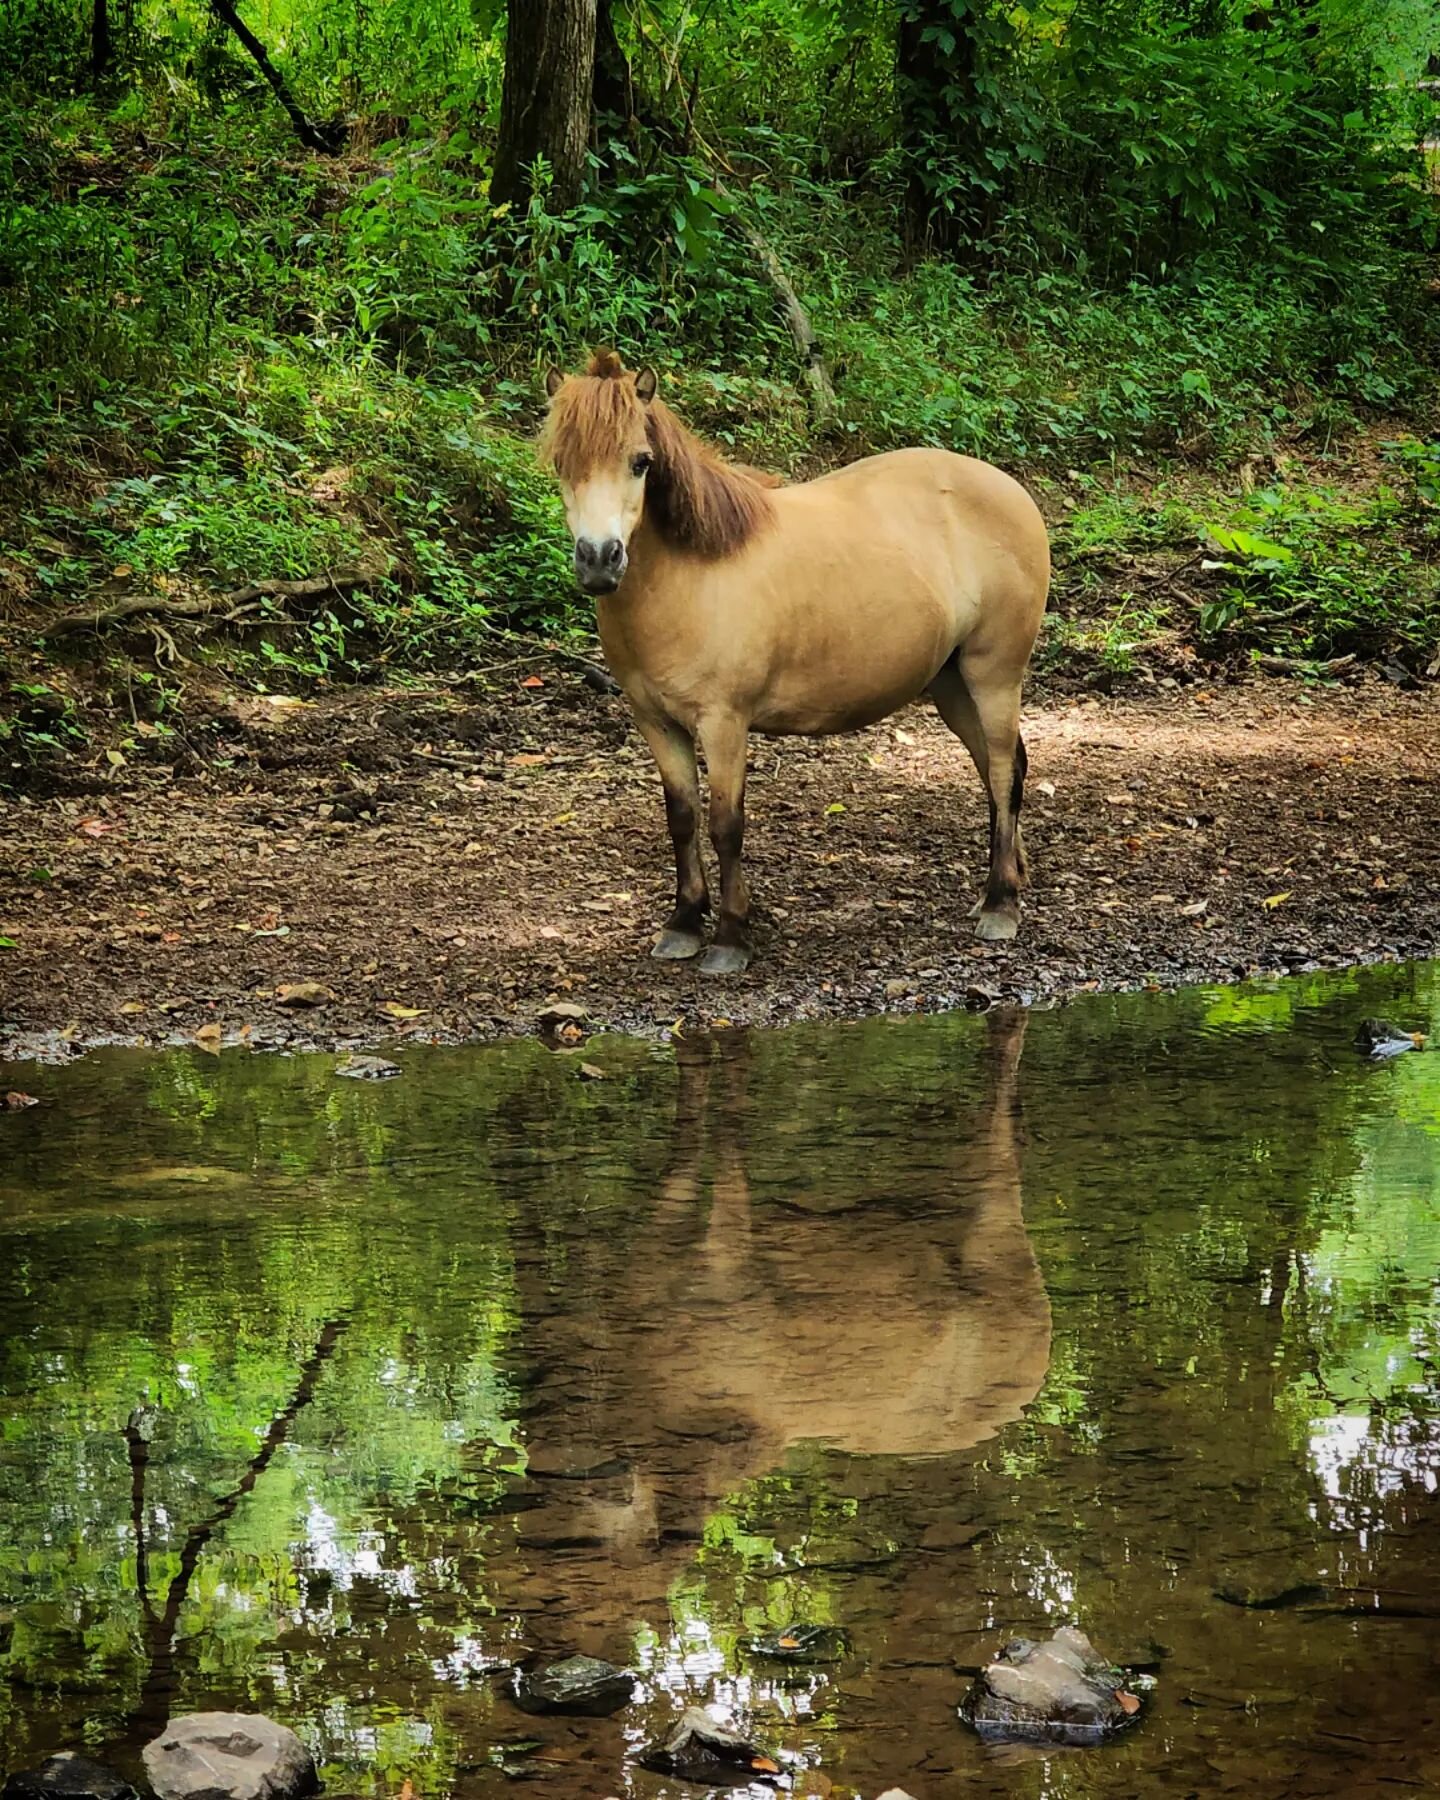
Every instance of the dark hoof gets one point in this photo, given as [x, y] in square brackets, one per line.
[725, 959]
[677, 946]
[997, 927]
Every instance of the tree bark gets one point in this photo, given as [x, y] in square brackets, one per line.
[613, 89]
[545, 102]
[937, 91]
[328, 137]
[101, 41]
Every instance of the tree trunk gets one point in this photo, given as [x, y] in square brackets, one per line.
[101, 42]
[613, 90]
[327, 137]
[936, 85]
[545, 103]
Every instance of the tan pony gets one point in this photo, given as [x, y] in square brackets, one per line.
[730, 604]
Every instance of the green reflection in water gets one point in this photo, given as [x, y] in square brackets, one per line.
[326, 1399]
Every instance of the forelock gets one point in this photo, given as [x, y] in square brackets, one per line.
[593, 419]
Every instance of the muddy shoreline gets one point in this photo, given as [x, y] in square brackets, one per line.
[437, 864]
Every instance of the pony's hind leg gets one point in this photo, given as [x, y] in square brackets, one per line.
[674, 752]
[956, 706]
[724, 739]
[982, 708]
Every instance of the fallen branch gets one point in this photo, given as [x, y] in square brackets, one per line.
[821, 388]
[328, 137]
[134, 605]
[1296, 665]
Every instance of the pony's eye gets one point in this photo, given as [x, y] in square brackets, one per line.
[640, 462]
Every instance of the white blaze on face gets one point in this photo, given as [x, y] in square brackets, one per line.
[606, 505]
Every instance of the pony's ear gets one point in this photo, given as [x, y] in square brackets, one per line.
[553, 378]
[645, 384]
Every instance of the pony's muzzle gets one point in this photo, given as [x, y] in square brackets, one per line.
[599, 566]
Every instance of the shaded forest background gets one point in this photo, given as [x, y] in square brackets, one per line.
[277, 283]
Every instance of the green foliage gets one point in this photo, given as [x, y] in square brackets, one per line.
[1315, 574]
[1056, 237]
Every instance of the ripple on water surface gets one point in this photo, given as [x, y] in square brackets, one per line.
[335, 1400]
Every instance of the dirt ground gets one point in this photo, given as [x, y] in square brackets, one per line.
[440, 863]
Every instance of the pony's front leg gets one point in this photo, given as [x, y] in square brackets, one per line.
[674, 752]
[724, 739]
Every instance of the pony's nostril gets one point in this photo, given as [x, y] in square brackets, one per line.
[613, 554]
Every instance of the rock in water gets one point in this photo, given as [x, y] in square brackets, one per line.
[68, 1777]
[1061, 1692]
[1379, 1040]
[580, 1684]
[698, 1749]
[801, 1644]
[366, 1068]
[229, 1756]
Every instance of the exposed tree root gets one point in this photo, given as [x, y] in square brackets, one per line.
[229, 606]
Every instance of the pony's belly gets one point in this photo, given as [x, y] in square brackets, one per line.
[829, 720]
[817, 702]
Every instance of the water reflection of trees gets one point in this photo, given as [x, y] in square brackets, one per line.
[1233, 1225]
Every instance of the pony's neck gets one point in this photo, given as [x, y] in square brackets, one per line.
[649, 556]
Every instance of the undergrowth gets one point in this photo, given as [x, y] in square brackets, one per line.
[225, 362]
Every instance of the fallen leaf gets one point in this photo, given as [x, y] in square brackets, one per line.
[94, 827]
[1271, 901]
[1128, 1702]
[15, 1101]
[302, 993]
[133, 1006]
[397, 1011]
[532, 681]
[120, 571]
[528, 759]
[115, 759]
[836, 806]
[7, 943]
[1047, 788]
[407, 1789]
[789, 1643]
[588, 1072]
[1194, 909]
[764, 1765]
[208, 1038]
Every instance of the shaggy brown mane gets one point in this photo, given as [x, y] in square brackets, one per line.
[696, 500]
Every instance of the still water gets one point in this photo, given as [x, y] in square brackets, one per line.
[335, 1400]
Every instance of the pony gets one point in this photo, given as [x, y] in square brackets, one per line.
[729, 602]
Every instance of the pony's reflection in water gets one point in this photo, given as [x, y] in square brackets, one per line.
[888, 1311]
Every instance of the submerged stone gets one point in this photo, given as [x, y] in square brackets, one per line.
[1380, 1040]
[697, 1749]
[68, 1777]
[229, 1756]
[1061, 1692]
[579, 1684]
[366, 1068]
[801, 1644]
